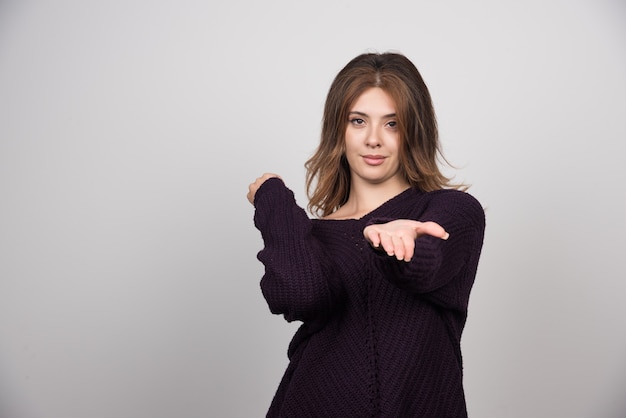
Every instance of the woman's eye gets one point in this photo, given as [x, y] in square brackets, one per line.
[392, 124]
[357, 121]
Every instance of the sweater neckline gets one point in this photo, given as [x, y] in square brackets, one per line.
[374, 211]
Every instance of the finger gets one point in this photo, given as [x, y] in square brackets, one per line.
[409, 248]
[398, 247]
[253, 188]
[433, 229]
[372, 236]
[266, 176]
[251, 194]
[386, 243]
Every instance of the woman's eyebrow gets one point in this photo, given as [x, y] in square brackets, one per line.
[356, 112]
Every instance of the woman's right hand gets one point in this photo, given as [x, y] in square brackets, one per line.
[397, 238]
[252, 189]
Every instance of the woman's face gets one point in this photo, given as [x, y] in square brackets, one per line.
[372, 139]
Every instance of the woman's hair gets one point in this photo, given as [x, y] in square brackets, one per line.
[420, 150]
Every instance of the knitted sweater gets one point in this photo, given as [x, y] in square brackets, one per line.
[379, 337]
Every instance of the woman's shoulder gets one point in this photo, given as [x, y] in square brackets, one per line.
[453, 195]
[457, 201]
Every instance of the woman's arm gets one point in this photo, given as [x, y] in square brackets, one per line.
[397, 238]
[440, 244]
[297, 275]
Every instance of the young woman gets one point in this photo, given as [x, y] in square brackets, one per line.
[382, 278]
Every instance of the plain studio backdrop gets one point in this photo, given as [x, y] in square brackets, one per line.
[130, 130]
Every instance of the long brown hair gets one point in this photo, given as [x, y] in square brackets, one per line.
[416, 121]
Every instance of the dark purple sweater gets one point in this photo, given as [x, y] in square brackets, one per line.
[379, 337]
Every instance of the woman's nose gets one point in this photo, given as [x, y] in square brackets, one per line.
[373, 138]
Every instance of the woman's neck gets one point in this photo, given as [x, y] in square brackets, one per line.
[366, 197]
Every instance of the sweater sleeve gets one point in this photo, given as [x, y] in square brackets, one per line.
[442, 270]
[297, 275]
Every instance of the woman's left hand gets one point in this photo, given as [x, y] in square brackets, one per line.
[254, 186]
[398, 237]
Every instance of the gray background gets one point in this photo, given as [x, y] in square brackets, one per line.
[130, 130]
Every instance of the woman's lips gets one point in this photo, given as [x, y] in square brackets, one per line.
[373, 159]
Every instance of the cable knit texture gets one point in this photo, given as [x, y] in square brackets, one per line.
[379, 337]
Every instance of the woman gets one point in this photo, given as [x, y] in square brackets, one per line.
[381, 280]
